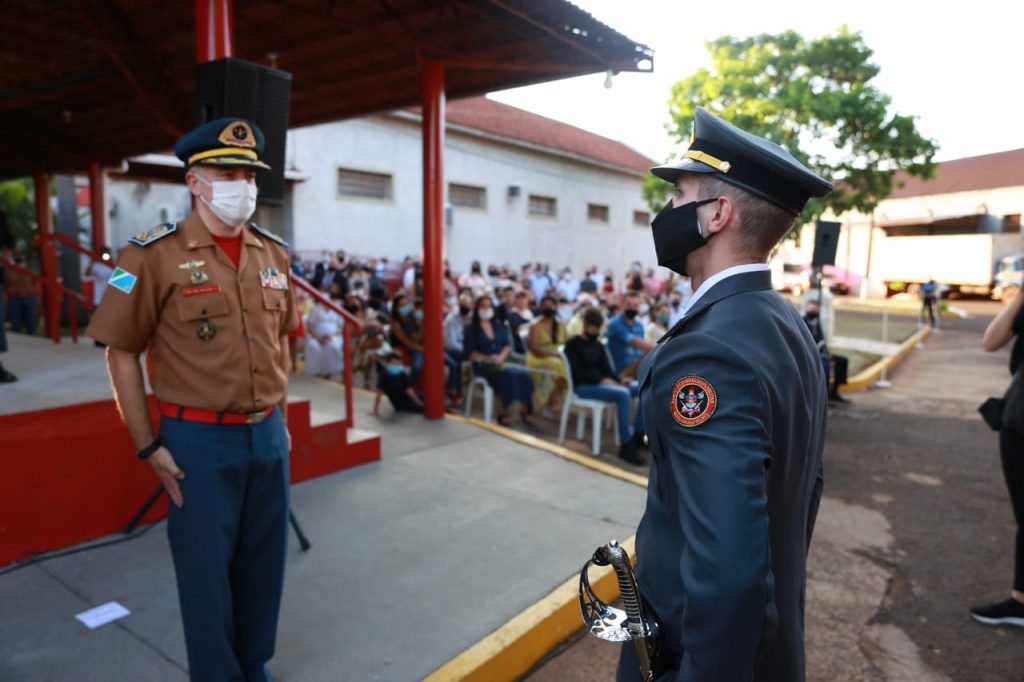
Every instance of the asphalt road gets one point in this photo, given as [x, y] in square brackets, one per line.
[917, 527]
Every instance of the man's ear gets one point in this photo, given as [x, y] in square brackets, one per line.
[719, 215]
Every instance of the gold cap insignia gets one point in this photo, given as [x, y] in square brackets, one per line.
[237, 134]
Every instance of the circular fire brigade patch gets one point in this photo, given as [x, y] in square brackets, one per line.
[693, 401]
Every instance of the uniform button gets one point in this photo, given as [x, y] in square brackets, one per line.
[646, 442]
[204, 312]
[255, 370]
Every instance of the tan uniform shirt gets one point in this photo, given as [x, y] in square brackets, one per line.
[212, 332]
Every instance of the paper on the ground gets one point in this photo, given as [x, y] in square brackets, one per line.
[102, 614]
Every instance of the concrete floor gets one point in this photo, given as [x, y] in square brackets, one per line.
[414, 559]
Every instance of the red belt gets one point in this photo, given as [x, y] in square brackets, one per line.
[194, 414]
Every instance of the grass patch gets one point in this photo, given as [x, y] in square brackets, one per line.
[863, 327]
[858, 361]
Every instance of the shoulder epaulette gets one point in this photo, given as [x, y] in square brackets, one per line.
[154, 233]
[269, 235]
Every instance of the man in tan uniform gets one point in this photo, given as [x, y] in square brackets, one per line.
[209, 302]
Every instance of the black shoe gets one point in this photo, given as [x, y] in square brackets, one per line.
[629, 453]
[1007, 612]
[6, 377]
[837, 398]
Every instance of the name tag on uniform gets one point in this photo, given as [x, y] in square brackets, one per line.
[272, 278]
[195, 291]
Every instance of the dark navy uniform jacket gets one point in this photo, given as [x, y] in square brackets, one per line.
[734, 400]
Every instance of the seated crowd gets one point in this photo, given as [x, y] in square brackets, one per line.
[509, 328]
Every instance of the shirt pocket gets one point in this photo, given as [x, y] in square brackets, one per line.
[274, 300]
[203, 306]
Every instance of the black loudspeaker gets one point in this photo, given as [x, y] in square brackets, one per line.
[826, 239]
[235, 87]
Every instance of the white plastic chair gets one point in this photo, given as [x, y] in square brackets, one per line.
[597, 412]
[480, 382]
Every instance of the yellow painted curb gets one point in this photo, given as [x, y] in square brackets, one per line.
[866, 378]
[519, 644]
[563, 452]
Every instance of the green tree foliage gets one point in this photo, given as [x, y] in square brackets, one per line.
[16, 201]
[816, 99]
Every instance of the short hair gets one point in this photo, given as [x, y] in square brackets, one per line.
[593, 317]
[762, 224]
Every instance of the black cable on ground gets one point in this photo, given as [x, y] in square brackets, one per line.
[39, 558]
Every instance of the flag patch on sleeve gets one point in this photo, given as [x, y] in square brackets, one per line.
[122, 280]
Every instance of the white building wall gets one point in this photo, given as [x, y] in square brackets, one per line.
[501, 233]
[134, 207]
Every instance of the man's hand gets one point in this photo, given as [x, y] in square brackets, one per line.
[167, 470]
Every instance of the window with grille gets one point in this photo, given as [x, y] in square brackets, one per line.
[467, 195]
[543, 206]
[597, 212]
[353, 183]
[641, 218]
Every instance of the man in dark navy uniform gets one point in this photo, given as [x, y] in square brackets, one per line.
[734, 402]
[208, 300]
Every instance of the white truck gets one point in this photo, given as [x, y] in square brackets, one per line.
[962, 263]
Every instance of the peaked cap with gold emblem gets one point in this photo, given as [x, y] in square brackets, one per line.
[747, 161]
[223, 142]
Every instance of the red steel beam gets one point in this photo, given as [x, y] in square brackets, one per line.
[215, 30]
[433, 238]
[47, 258]
[99, 216]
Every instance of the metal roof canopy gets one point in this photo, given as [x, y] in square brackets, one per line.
[101, 80]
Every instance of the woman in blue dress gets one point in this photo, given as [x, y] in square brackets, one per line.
[487, 345]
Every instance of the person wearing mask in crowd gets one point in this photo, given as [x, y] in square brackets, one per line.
[324, 350]
[590, 282]
[449, 289]
[683, 288]
[297, 266]
[594, 379]
[1008, 326]
[339, 275]
[487, 346]
[474, 280]
[363, 346]
[608, 285]
[321, 269]
[454, 332]
[21, 297]
[376, 291]
[633, 283]
[398, 386]
[654, 283]
[408, 273]
[565, 309]
[658, 326]
[506, 303]
[406, 331]
[540, 282]
[575, 325]
[547, 334]
[836, 366]
[521, 314]
[643, 311]
[626, 338]
[568, 287]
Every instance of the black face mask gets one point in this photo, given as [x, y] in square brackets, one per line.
[677, 233]
[812, 316]
[353, 309]
[464, 310]
[591, 336]
[548, 312]
[630, 314]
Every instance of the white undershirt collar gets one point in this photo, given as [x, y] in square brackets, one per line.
[719, 276]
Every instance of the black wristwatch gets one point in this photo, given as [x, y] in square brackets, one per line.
[147, 452]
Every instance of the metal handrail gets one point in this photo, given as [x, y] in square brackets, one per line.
[351, 322]
[73, 245]
[70, 295]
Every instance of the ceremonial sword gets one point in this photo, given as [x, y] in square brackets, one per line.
[617, 625]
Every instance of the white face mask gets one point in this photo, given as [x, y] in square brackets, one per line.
[487, 314]
[234, 201]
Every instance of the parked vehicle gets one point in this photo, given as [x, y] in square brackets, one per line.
[965, 263]
[1009, 274]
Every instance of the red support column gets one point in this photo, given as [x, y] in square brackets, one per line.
[47, 257]
[215, 30]
[433, 238]
[99, 216]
